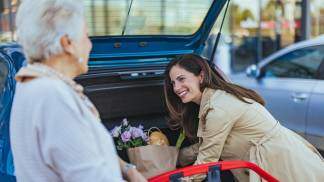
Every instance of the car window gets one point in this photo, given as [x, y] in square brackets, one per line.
[3, 75]
[145, 17]
[301, 63]
[320, 71]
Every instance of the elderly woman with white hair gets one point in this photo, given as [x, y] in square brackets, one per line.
[55, 130]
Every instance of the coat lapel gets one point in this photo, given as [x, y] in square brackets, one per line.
[204, 109]
[205, 101]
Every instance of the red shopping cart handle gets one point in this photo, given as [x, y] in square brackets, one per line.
[203, 169]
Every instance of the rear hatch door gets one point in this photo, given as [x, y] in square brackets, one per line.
[133, 40]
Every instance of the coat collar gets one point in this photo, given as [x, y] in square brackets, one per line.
[25, 72]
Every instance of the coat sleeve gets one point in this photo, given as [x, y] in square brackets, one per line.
[70, 147]
[218, 125]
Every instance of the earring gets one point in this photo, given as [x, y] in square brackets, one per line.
[80, 60]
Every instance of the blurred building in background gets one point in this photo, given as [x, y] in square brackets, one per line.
[8, 9]
[253, 29]
[258, 28]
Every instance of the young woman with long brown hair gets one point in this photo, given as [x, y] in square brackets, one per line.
[232, 123]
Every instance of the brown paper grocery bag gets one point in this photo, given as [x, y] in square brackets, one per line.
[152, 160]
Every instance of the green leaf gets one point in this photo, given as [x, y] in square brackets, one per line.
[181, 138]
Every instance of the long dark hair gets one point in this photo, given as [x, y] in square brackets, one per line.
[185, 115]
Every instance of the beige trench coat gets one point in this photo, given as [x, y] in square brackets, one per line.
[230, 129]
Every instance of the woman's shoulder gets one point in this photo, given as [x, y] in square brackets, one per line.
[212, 100]
[44, 89]
[228, 102]
[221, 98]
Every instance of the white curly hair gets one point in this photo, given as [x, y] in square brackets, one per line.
[41, 24]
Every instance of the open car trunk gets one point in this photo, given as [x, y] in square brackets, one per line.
[125, 78]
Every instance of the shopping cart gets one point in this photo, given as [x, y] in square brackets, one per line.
[212, 170]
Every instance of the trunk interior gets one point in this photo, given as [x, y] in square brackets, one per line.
[140, 99]
[136, 95]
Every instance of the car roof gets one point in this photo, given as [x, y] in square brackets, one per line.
[307, 43]
[14, 53]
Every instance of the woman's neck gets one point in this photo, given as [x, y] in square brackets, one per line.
[63, 64]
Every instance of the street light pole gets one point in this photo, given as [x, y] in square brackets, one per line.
[259, 35]
[278, 23]
[11, 19]
[305, 20]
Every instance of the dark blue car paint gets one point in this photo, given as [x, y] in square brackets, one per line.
[12, 56]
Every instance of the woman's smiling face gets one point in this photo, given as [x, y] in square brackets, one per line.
[185, 84]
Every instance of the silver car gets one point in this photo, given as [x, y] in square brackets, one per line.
[292, 83]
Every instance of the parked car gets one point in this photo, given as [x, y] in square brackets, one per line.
[125, 77]
[292, 83]
[11, 59]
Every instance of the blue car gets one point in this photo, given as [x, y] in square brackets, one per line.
[11, 59]
[130, 52]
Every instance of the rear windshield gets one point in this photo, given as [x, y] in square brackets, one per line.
[145, 17]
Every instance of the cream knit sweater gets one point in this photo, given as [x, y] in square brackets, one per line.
[55, 137]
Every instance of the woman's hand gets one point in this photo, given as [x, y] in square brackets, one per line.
[134, 176]
[131, 174]
[188, 155]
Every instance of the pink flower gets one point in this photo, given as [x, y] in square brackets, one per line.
[136, 132]
[145, 137]
[126, 136]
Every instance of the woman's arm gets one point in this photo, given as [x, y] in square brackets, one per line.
[218, 125]
[130, 173]
[68, 144]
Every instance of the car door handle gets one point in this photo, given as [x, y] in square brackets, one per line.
[299, 97]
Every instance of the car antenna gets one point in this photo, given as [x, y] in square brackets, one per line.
[219, 34]
[129, 8]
